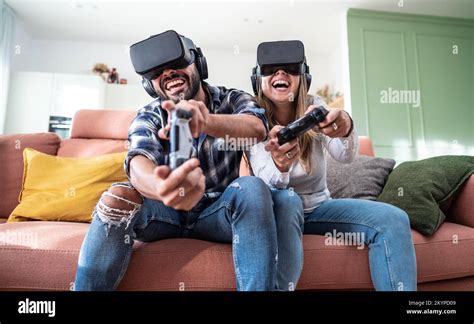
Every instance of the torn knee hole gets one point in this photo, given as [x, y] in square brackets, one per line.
[118, 205]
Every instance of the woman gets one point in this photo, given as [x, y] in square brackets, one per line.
[281, 81]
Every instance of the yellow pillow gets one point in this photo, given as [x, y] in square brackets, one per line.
[64, 189]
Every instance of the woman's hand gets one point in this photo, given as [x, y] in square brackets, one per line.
[283, 155]
[336, 124]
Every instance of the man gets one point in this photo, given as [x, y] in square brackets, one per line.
[203, 198]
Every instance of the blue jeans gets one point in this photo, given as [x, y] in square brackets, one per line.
[383, 227]
[288, 210]
[242, 215]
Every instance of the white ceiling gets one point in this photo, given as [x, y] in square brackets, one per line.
[216, 24]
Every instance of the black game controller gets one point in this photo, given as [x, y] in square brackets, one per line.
[302, 125]
[181, 140]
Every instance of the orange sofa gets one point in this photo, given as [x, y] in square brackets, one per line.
[445, 260]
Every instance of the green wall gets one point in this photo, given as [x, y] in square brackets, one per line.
[396, 59]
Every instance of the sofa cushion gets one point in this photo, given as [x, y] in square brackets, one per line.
[96, 132]
[462, 208]
[421, 187]
[447, 254]
[82, 148]
[46, 259]
[11, 173]
[103, 124]
[39, 255]
[58, 188]
[363, 178]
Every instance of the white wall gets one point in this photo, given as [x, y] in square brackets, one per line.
[60, 56]
[229, 69]
[29, 114]
[325, 70]
[22, 47]
[226, 67]
[233, 70]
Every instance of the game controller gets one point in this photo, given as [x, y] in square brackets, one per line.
[181, 140]
[302, 125]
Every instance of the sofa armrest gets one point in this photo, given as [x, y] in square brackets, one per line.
[11, 172]
[462, 208]
[365, 146]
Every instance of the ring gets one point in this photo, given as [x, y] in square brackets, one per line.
[334, 125]
[289, 155]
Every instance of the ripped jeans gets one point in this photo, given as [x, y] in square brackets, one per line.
[242, 215]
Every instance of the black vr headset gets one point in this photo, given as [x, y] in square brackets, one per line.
[167, 50]
[280, 55]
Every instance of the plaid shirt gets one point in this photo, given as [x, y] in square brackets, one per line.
[219, 166]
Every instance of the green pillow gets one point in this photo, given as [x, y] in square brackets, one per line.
[420, 187]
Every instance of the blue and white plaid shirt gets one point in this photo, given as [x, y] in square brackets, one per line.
[220, 167]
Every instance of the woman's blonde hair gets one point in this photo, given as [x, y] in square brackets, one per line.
[302, 100]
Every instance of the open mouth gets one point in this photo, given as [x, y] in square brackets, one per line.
[174, 83]
[280, 84]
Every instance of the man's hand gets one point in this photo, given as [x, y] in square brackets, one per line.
[336, 124]
[283, 155]
[181, 189]
[198, 122]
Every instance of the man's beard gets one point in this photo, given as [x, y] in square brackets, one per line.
[190, 92]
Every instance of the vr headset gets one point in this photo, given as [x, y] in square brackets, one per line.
[167, 50]
[280, 55]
